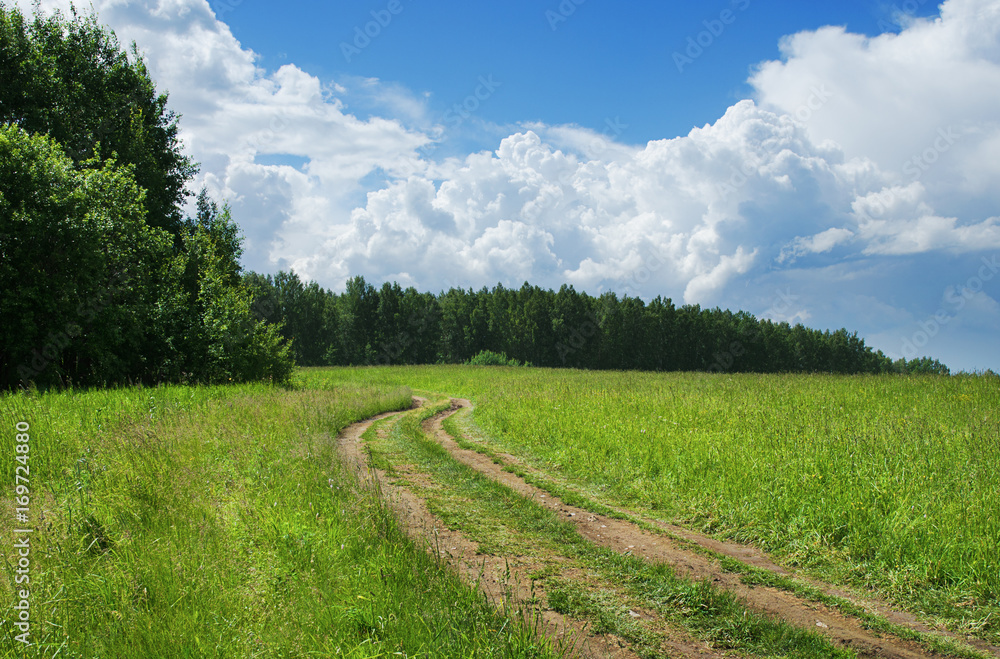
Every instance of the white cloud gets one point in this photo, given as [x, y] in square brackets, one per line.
[683, 216]
[820, 243]
[891, 97]
[898, 220]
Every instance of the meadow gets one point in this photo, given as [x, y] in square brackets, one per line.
[220, 522]
[888, 483]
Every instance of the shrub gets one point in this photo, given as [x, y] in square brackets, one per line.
[490, 358]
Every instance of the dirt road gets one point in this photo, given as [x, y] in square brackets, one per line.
[507, 578]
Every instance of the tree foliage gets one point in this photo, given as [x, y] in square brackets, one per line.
[77, 265]
[69, 78]
[391, 325]
[921, 366]
[103, 279]
[490, 358]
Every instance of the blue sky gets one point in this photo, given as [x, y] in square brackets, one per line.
[557, 63]
[826, 163]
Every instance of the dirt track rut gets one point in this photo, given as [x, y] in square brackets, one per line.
[626, 537]
[501, 579]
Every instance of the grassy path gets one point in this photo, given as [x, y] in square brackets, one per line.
[546, 574]
[881, 486]
[505, 581]
[619, 579]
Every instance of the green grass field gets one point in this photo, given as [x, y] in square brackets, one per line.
[889, 483]
[220, 522]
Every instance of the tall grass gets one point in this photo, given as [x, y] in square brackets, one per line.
[889, 482]
[220, 522]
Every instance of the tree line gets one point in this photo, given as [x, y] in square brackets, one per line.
[564, 328]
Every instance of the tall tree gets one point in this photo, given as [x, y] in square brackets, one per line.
[570, 329]
[455, 306]
[103, 280]
[574, 329]
[205, 328]
[423, 316]
[71, 80]
[358, 315]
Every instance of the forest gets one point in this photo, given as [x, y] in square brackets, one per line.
[106, 281]
[531, 325]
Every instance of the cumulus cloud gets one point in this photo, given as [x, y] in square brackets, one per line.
[920, 104]
[687, 214]
[820, 243]
[898, 220]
